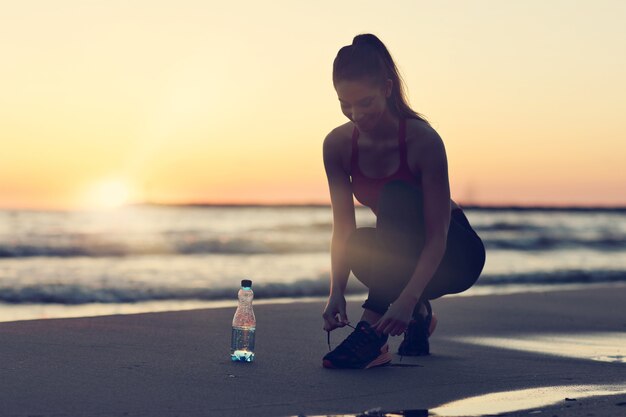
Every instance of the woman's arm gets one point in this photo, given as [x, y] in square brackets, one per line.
[436, 192]
[344, 224]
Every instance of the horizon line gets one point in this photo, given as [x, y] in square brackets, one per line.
[572, 207]
[477, 207]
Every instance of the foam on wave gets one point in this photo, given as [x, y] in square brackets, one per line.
[82, 294]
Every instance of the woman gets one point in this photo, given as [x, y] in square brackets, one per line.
[422, 247]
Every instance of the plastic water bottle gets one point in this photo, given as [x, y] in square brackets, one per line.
[244, 324]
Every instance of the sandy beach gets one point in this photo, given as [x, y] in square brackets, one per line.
[532, 350]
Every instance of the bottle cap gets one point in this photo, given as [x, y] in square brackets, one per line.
[246, 283]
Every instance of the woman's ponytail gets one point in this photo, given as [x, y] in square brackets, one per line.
[369, 57]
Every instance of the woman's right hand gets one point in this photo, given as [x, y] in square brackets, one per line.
[335, 312]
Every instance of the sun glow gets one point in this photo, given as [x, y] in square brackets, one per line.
[109, 194]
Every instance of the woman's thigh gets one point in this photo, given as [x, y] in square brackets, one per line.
[462, 261]
[380, 265]
[361, 251]
[459, 269]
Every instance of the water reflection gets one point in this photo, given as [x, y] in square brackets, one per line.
[525, 399]
[499, 402]
[605, 347]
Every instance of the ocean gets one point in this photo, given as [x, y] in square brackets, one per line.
[155, 258]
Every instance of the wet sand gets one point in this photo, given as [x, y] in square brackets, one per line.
[177, 363]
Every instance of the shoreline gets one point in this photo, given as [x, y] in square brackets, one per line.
[10, 312]
[177, 363]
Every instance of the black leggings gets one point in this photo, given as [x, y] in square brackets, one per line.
[384, 258]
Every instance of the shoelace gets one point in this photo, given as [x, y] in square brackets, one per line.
[328, 335]
[428, 307]
[350, 338]
[349, 325]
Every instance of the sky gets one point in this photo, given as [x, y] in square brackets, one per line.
[110, 102]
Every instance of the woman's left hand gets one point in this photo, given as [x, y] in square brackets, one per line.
[396, 319]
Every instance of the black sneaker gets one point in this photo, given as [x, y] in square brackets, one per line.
[362, 349]
[415, 341]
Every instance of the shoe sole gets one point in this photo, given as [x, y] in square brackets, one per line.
[383, 359]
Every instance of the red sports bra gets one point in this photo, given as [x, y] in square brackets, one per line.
[367, 190]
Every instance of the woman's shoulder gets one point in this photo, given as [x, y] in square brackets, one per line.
[423, 144]
[341, 133]
[340, 138]
[338, 146]
[421, 132]
[422, 139]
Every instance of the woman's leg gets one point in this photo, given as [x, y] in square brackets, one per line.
[384, 258]
[462, 263]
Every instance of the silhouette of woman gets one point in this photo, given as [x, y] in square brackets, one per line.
[423, 247]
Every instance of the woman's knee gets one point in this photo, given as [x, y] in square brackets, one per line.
[359, 245]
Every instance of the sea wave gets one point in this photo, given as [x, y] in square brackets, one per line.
[241, 246]
[79, 294]
[72, 294]
[575, 276]
[507, 227]
[547, 243]
[236, 246]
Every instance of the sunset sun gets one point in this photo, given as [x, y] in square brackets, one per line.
[109, 194]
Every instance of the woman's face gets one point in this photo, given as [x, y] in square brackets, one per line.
[363, 102]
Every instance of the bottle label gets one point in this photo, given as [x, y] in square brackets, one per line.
[243, 338]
